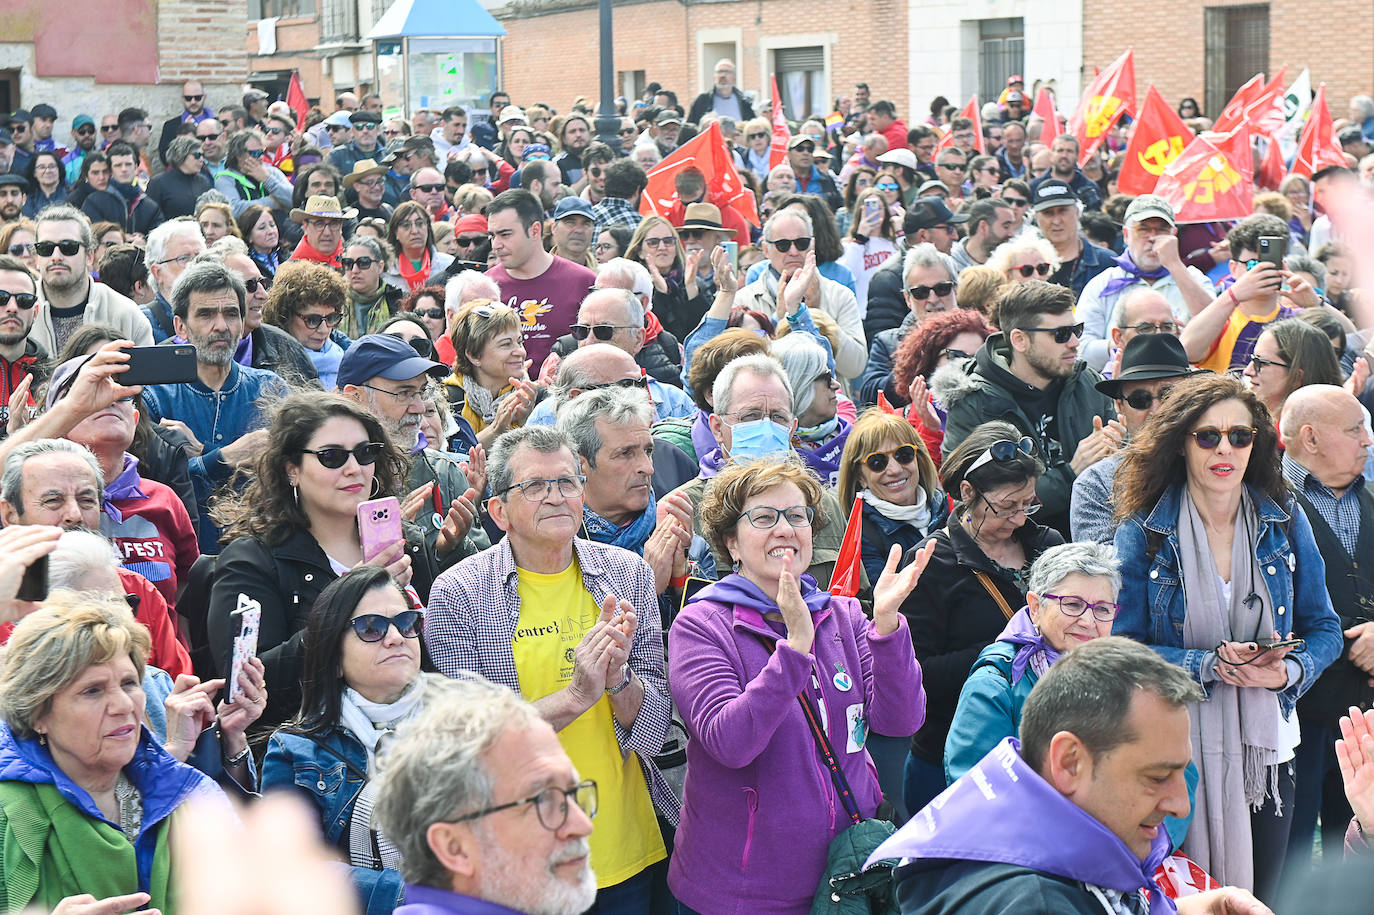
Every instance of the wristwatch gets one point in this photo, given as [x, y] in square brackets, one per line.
[620, 687]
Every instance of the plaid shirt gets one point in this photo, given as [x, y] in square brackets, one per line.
[474, 608]
[1341, 514]
[614, 211]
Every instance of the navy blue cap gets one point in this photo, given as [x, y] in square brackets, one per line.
[44, 110]
[21, 116]
[386, 356]
[573, 206]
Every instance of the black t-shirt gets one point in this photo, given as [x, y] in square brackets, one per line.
[1042, 406]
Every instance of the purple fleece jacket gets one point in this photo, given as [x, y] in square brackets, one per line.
[759, 810]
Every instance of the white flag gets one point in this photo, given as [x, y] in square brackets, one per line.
[1297, 101]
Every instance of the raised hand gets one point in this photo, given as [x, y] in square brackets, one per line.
[895, 584]
[801, 629]
[1355, 754]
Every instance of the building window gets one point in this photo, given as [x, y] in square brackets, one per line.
[285, 9]
[1237, 49]
[801, 80]
[1001, 55]
[632, 83]
[339, 21]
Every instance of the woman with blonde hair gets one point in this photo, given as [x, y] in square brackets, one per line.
[979, 287]
[490, 387]
[1025, 258]
[758, 138]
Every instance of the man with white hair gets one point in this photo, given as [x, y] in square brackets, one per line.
[486, 807]
[170, 248]
[930, 283]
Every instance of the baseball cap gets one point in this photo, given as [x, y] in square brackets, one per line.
[82, 120]
[365, 117]
[672, 117]
[929, 212]
[932, 185]
[793, 143]
[255, 94]
[1013, 80]
[6, 138]
[903, 157]
[338, 119]
[387, 356]
[21, 115]
[1148, 206]
[1014, 96]
[44, 110]
[511, 113]
[1052, 193]
[573, 206]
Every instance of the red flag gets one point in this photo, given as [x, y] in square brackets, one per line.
[295, 97]
[1233, 115]
[972, 113]
[1271, 169]
[1159, 136]
[1044, 109]
[1266, 114]
[777, 152]
[707, 153]
[1212, 179]
[1110, 95]
[1317, 147]
[844, 581]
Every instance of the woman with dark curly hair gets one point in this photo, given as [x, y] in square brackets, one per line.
[294, 529]
[307, 301]
[940, 339]
[426, 304]
[1217, 561]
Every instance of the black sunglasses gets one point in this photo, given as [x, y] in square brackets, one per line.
[335, 456]
[107, 128]
[428, 188]
[1041, 268]
[46, 248]
[1142, 400]
[372, 627]
[877, 460]
[1017, 201]
[85, 131]
[951, 353]
[254, 283]
[434, 314]
[314, 321]
[1210, 438]
[193, 98]
[469, 241]
[1060, 334]
[362, 263]
[24, 300]
[785, 244]
[921, 293]
[641, 382]
[755, 136]
[602, 332]
[421, 346]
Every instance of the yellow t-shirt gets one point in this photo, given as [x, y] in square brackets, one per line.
[555, 612]
[1236, 343]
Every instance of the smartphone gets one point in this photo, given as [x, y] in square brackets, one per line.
[34, 584]
[871, 207]
[247, 617]
[379, 525]
[732, 252]
[1273, 249]
[174, 364]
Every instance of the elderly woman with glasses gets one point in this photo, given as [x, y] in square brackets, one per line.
[821, 432]
[1220, 574]
[490, 388]
[1025, 259]
[307, 301]
[759, 806]
[977, 575]
[758, 137]
[247, 179]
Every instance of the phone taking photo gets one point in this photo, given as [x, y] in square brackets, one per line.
[379, 526]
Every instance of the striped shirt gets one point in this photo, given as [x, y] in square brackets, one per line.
[1342, 514]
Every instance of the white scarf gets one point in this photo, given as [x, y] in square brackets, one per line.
[371, 722]
[917, 514]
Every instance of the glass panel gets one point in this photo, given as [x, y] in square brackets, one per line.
[451, 71]
[389, 70]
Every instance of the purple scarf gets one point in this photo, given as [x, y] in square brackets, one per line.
[1034, 650]
[711, 462]
[124, 486]
[244, 354]
[702, 439]
[1038, 828]
[825, 460]
[1133, 275]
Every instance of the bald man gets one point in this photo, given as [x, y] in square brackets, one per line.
[1327, 439]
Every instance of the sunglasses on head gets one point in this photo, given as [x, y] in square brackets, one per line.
[877, 461]
[253, 284]
[362, 263]
[785, 244]
[1142, 399]
[1003, 451]
[1060, 334]
[1028, 269]
[24, 300]
[1209, 439]
[602, 332]
[46, 248]
[921, 293]
[314, 321]
[642, 382]
[335, 456]
[372, 627]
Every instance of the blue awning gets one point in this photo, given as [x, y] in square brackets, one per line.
[436, 19]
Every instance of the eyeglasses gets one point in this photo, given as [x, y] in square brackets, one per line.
[1209, 439]
[954, 166]
[23, 300]
[434, 314]
[428, 188]
[765, 518]
[419, 396]
[1060, 334]
[1142, 400]
[758, 135]
[550, 805]
[1006, 511]
[335, 456]
[921, 293]
[1151, 327]
[601, 246]
[785, 244]
[641, 382]
[314, 321]
[182, 259]
[193, 98]
[46, 248]
[602, 332]
[252, 284]
[19, 249]
[781, 417]
[256, 153]
[362, 263]
[1104, 611]
[1017, 201]
[84, 131]
[540, 490]
[108, 128]
[197, 154]
[1041, 268]
[281, 130]
[1003, 451]
[372, 627]
[469, 241]
[877, 461]
[629, 131]
[827, 378]
[951, 353]
[1259, 362]
[658, 242]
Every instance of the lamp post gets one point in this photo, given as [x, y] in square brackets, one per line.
[607, 120]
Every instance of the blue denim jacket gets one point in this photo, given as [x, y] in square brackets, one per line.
[1153, 604]
[332, 785]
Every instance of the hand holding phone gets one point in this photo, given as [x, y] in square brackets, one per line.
[379, 526]
[248, 617]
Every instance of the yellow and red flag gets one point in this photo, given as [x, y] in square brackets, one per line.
[1317, 146]
[1160, 136]
[1212, 179]
[1044, 109]
[708, 154]
[777, 152]
[1110, 95]
[846, 578]
[972, 113]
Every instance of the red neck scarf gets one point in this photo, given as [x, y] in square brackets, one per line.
[414, 277]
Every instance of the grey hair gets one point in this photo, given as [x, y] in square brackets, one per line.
[373, 246]
[466, 286]
[632, 273]
[1078, 558]
[1001, 257]
[1365, 104]
[543, 439]
[804, 360]
[161, 237]
[1123, 302]
[760, 364]
[66, 213]
[617, 406]
[228, 246]
[1307, 264]
[1088, 692]
[634, 308]
[784, 213]
[435, 770]
[179, 149]
[205, 276]
[12, 477]
[571, 374]
[927, 255]
[78, 554]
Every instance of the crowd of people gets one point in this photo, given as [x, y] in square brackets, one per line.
[936, 487]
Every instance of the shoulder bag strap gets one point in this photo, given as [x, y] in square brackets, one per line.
[996, 595]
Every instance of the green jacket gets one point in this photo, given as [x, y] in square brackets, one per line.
[678, 431]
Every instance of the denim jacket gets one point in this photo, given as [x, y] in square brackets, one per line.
[1153, 604]
[332, 784]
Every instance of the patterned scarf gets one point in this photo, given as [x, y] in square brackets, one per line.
[631, 536]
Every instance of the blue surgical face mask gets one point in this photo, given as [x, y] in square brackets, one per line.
[759, 438]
